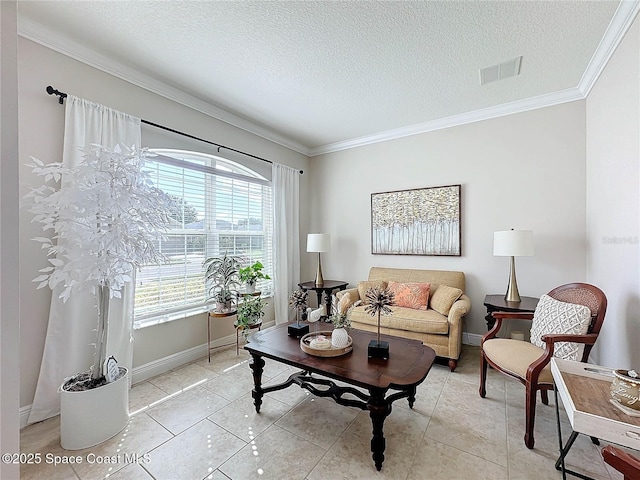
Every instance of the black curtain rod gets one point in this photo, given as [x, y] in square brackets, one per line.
[62, 96]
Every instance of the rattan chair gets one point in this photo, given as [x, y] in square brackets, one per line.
[528, 363]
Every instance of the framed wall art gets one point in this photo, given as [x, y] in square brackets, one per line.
[422, 221]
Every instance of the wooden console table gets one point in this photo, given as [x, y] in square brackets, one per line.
[497, 303]
[584, 390]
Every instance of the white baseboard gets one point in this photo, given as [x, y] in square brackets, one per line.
[162, 365]
[471, 339]
[24, 415]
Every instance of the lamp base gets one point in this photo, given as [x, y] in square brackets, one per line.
[512, 294]
[297, 330]
[319, 278]
[378, 350]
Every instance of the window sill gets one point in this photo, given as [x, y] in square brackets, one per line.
[170, 317]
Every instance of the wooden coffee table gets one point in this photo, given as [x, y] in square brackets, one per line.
[408, 365]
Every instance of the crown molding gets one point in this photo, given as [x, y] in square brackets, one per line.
[620, 22]
[49, 38]
[525, 105]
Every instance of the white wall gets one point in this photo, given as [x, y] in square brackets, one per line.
[613, 203]
[520, 171]
[9, 246]
[41, 123]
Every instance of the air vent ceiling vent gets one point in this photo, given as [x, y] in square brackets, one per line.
[503, 70]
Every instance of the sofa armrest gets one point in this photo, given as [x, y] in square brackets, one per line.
[459, 309]
[355, 296]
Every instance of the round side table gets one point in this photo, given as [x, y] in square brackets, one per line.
[497, 303]
[213, 314]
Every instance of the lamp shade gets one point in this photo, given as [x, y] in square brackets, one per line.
[513, 243]
[318, 242]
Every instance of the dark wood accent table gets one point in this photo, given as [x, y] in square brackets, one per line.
[497, 303]
[408, 365]
[327, 288]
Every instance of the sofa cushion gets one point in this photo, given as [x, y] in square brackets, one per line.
[410, 295]
[408, 319]
[554, 316]
[443, 297]
[366, 285]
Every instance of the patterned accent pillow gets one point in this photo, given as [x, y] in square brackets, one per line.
[554, 316]
[365, 285]
[410, 295]
[443, 298]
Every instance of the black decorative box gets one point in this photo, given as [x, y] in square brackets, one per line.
[297, 330]
[378, 350]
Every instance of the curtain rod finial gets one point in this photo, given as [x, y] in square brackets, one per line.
[61, 95]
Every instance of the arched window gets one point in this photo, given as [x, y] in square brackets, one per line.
[220, 207]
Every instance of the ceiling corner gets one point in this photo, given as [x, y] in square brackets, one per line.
[620, 23]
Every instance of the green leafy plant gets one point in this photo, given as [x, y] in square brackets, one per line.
[341, 319]
[250, 311]
[251, 274]
[221, 276]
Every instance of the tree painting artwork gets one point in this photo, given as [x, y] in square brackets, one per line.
[423, 221]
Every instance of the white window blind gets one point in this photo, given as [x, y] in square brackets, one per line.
[220, 207]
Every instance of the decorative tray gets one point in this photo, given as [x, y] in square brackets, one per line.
[305, 345]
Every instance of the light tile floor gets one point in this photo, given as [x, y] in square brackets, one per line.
[198, 422]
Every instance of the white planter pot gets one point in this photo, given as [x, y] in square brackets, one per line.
[339, 338]
[250, 287]
[91, 417]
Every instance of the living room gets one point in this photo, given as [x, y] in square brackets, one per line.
[567, 170]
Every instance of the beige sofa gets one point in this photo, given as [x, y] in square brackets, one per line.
[439, 326]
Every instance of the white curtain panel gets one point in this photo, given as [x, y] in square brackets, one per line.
[286, 255]
[71, 334]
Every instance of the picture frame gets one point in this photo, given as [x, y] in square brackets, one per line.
[421, 221]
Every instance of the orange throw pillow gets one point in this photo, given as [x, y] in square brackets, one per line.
[411, 295]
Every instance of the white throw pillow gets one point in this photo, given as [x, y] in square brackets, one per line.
[554, 316]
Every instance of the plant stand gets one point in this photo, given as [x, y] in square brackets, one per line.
[90, 417]
[239, 329]
[213, 314]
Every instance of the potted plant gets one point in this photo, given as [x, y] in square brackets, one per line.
[107, 220]
[251, 274]
[221, 273]
[249, 313]
[341, 319]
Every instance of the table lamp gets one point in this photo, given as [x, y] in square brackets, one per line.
[319, 242]
[513, 243]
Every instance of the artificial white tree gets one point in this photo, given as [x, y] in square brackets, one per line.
[107, 220]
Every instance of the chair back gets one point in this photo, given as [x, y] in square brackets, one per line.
[589, 296]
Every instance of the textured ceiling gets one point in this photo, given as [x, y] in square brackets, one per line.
[324, 72]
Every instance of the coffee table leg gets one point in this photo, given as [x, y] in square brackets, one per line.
[412, 396]
[257, 366]
[379, 409]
